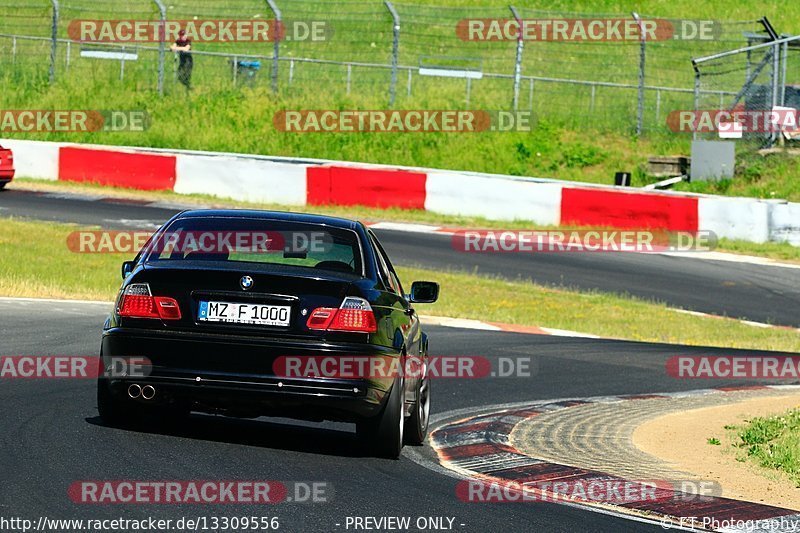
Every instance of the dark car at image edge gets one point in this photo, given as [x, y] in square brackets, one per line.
[181, 310]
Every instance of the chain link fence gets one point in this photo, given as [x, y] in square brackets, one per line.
[379, 53]
[763, 108]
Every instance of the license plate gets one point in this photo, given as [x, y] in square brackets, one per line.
[239, 313]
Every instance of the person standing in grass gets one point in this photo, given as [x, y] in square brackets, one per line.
[183, 47]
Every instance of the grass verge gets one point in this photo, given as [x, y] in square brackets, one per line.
[772, 443]
[771, 250]
[37, 263]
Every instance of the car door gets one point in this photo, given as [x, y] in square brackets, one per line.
[407, 325]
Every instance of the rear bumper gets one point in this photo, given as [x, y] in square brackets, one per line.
[6, 174]
[236, 375]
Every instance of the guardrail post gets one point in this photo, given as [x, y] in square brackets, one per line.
[162, 35]
[276, 46]
[642, 56]
[518, 59]
[395, 49]
[53, 41]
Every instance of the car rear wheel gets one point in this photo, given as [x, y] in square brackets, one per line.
[383, 434]
[417, 424]
[3, 185]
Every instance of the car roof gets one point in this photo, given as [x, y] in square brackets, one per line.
[288, 216]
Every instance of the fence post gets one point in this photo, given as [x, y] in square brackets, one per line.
[162, 35]
[276, 46]
[776, 52]
[658, 107]
[784, 57]
[395, 50]
[53, 41]
[530, 96]
[642, 55]
[696, 95]
[518, 59]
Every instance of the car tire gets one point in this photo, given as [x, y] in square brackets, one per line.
[383, 434]
[416, 429]
[3, 185]
[113, 411]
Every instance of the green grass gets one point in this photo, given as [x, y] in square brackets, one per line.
[773, 443]
[767, 176]
[777, 251]
[37, 263]
[572, 140]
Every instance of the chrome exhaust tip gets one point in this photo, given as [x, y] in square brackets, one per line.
[148, 392]
[134, 391]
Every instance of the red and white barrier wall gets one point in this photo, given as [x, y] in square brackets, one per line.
[318, 182]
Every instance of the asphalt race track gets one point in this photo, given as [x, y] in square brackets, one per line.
[52, 436]
[753, 292]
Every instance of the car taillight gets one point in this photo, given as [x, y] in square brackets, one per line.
[168, 308]
[355, 314]
[138, 302]
[321, 318]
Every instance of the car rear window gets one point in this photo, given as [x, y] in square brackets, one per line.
[253, 240]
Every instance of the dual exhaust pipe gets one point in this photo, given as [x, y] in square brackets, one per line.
[148, 392]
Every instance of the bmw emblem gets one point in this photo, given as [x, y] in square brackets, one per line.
[246, 283]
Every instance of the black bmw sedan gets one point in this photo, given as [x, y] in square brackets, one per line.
[259, 313]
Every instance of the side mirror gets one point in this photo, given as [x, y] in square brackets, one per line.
[127, 268]
[424, 292]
